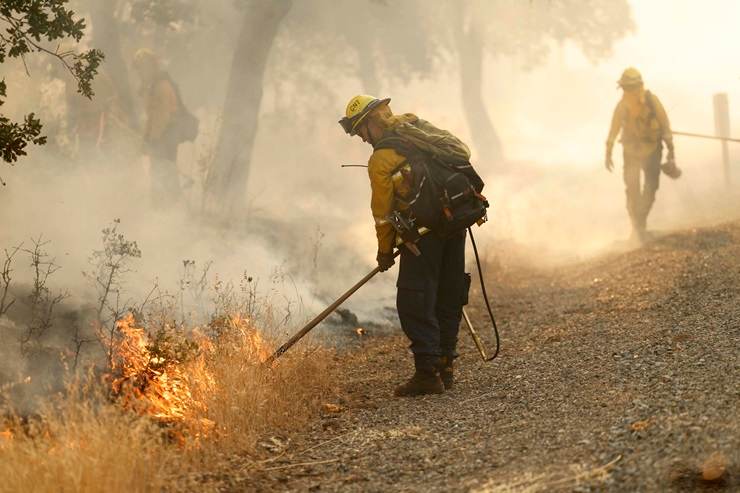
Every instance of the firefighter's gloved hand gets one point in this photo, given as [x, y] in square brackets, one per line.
[385, 261]
[671, 157]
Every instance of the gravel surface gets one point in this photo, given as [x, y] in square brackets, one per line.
[619, 374]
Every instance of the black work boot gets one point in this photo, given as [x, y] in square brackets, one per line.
[425, 380]
[446, 372]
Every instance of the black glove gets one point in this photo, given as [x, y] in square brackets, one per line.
[385, 261]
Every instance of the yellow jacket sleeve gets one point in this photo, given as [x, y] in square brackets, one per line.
[665, 125]
[616, 126]
[380, 168]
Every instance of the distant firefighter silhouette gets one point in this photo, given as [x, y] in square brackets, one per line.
[644, 127]
[168, 124]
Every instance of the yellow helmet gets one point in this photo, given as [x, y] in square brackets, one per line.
[145, 55]
[357, 109]
[631, 77]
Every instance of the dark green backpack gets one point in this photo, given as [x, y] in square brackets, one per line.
[445, 190]
[184, 128]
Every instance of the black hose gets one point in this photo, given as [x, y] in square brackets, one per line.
[485, 294]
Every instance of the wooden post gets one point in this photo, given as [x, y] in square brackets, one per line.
[722, 129]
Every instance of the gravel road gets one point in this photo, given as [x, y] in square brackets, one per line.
[619, 374]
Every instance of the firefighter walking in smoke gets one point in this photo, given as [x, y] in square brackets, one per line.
[168, 124]
[644, 126]
[432, 287]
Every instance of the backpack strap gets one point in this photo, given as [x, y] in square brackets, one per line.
[398, 144]
[650, 104]
[392, 141]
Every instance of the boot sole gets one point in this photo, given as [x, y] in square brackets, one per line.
[417, 394]
[423, 391]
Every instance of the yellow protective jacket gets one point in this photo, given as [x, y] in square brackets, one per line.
[643, 123]
[161, 106]
[388, 187]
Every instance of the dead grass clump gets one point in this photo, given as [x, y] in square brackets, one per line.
[248, 399]
[553, 479]
[84, 444]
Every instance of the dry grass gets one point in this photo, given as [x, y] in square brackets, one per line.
[86, 442]
[553, 479]
[248, 399]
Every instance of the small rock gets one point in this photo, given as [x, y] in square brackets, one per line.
[714, 467]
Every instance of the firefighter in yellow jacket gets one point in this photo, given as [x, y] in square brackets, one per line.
[432, 287]
[162, 103]
[644, 127]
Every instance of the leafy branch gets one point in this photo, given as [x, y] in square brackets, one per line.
[29, 25]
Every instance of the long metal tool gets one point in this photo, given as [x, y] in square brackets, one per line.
[321, 316]
[704, 136]
[476, 338]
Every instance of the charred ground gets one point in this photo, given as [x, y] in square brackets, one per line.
[619, 373]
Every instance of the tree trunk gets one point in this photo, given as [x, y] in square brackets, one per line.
[485, 138]
[227, 178]
[106, 37]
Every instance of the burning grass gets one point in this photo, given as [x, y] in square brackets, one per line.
[167, 405]
[157, 376]
[248, 399]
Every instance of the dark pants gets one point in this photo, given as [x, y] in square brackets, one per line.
[640, 201]
[432, 289]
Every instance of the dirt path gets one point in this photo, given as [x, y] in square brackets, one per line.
[620, 374]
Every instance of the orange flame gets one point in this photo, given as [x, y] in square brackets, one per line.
[6, 435]
[250, 338]
[167, 389]
[149, 384]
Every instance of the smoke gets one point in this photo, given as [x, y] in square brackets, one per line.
[306, 233]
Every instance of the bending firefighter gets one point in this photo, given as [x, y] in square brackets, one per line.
[644, 126]
[409, 155]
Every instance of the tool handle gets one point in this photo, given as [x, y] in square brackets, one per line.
[705, 136]
[475, 336]
[321, 316]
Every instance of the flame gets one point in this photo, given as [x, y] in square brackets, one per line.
[172, 391]
[251, 339]
[6, 436]
[149, 384]
[243, 335]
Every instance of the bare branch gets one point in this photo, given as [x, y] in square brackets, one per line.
[5, 277]
[79, 342]
[42, 300]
